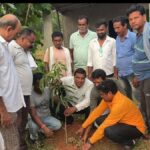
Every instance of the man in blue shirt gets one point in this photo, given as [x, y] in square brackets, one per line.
[125, 50]
[141, 60]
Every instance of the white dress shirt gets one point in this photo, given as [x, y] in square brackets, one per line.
[80, 96]
[104, 57]
[10, 88]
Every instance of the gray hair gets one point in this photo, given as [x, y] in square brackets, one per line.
[25, 32]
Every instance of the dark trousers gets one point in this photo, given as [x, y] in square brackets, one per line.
[69, 119]
[22, 121]
[100, 119]
[122, 133]
[145, 100]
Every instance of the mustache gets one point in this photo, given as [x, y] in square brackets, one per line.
[101, 35]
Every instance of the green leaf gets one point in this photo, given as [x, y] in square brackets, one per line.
[12, 6]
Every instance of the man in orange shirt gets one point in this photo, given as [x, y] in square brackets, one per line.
[124, 122]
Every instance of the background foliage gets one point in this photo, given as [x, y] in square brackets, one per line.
[31, 15]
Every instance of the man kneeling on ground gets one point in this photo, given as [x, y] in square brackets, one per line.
[98, 76]
[124, 122]
[41, 118]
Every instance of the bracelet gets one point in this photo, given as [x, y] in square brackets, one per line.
[43, 126]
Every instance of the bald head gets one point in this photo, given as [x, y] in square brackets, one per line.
[9, 20]
[9, 26]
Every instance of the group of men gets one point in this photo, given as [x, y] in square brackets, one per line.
[126, 59]
[105, 70]
[133, 67]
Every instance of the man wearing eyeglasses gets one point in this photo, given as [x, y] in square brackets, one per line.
[19, 50]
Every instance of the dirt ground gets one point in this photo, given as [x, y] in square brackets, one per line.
[58, 142]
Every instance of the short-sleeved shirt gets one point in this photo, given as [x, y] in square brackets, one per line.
[10, 88]
[22, 65]
[41, 102]
[79, 45]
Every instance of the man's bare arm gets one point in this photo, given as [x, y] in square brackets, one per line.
[90, 69]
[5, 117]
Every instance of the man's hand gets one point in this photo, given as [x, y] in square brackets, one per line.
[69, 111]
[135, 82]
[86, 146]
[48, 133]
[85, 137]
[80, 132]
[86, 134]
[6, 119]
[83, 133]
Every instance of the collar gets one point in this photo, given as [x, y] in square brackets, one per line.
[141, 34]
[115, 98]
[15, 44]
[3, 41]
[127, 35]
[108, 38]
[85, 34]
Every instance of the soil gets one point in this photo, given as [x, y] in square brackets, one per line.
[58, 141]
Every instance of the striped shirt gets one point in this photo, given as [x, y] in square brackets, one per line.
[140, 62]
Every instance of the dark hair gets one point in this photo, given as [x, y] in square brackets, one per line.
[25, 32]
[81, 71]
[135, 7]
[7, 22]
[107, 85]
[57, 34]
[101, 22]
[37, 76]
[84, 17]
[99, 73]
[122, 19]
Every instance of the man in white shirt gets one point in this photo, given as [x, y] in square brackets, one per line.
[19, 50]
[11, 96]
[102, 51]
[79, 93]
